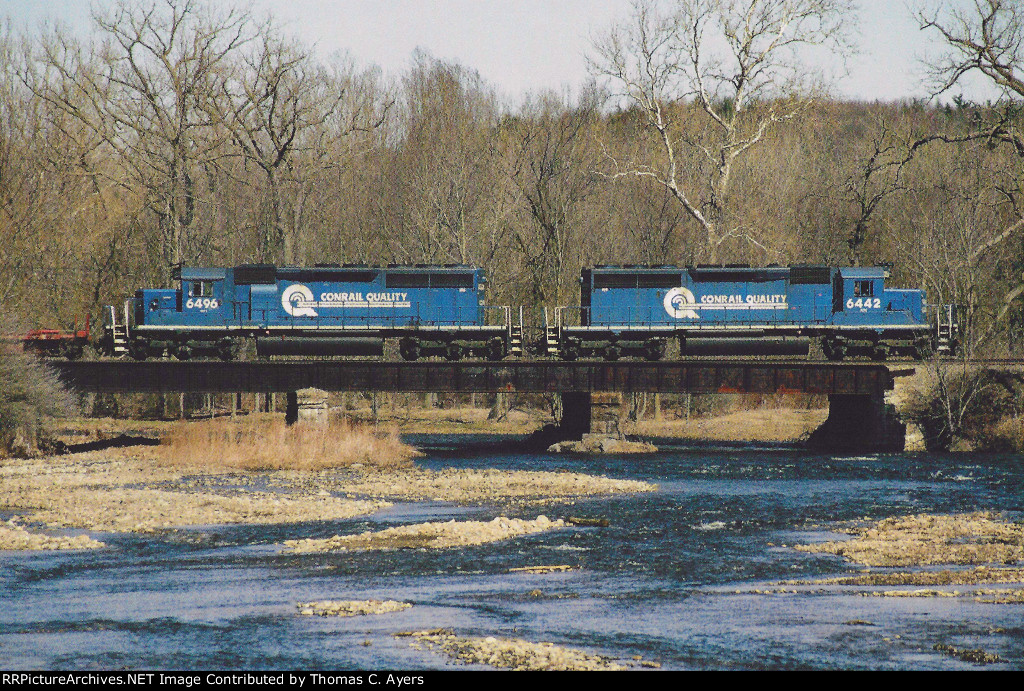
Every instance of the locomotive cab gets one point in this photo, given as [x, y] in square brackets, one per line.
[861, 298]
[857, 291]
[166, 320]
[201, 296]
[870, 319]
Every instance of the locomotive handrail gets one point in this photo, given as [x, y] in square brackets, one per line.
[642, 316]
[262, 317]
[560, 312]
[506, 315]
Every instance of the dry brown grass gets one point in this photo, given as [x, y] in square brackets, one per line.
[1007, 435]
[270, 444]
[765, 425]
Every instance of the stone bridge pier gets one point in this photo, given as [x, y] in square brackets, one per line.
[307, 405]
[858, 422]
[590, 413]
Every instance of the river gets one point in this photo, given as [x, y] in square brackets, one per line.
[671, 579]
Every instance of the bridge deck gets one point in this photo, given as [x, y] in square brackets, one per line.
[686, 376]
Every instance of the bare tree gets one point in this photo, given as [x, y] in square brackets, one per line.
[31, 394]
[954, 208]
[876, 176]
[56, 213]
[143, 92]
[549, 162]
[443, 175]
[986, 39]
[280, 107]
[712, 78]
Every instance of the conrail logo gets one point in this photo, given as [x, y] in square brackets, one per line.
[678, 304]
[297, 300]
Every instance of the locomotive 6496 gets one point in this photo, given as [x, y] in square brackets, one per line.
[324, 310]
[441, 311]
[742, 310]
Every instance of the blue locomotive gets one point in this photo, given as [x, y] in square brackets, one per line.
[323, 310]
[440, 311]
[743, 310]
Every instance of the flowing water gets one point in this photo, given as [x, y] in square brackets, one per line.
[671, 579]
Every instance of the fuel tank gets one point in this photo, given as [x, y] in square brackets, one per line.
[320, 346]
[763, 345]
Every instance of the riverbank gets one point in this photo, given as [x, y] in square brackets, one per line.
[54, 502]
[781, 425]
[623, 577]
[985, 404]
[130, 487]
[138, 489]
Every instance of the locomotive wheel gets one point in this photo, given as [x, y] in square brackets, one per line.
[495, 350]
[409, 349]
[227, 350]
[453, 352]
[654, 350]
[137, 351]
[612, 353]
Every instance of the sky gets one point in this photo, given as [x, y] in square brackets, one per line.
[520, 46]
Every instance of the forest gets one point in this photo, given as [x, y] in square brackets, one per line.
[186, 132]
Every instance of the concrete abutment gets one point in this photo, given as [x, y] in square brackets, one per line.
[862, 423]
[307, 405]
[591, 413]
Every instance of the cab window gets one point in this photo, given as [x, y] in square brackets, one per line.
[200, 289]
[863, 289]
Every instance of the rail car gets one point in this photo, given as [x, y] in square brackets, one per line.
[743, 310]
[324, 310]
[58, 343]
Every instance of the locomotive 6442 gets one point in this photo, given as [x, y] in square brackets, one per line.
[441, 311]
[742, 310]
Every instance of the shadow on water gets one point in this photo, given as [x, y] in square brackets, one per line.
[671, 578]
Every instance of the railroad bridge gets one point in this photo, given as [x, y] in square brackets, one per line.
[858, 417]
